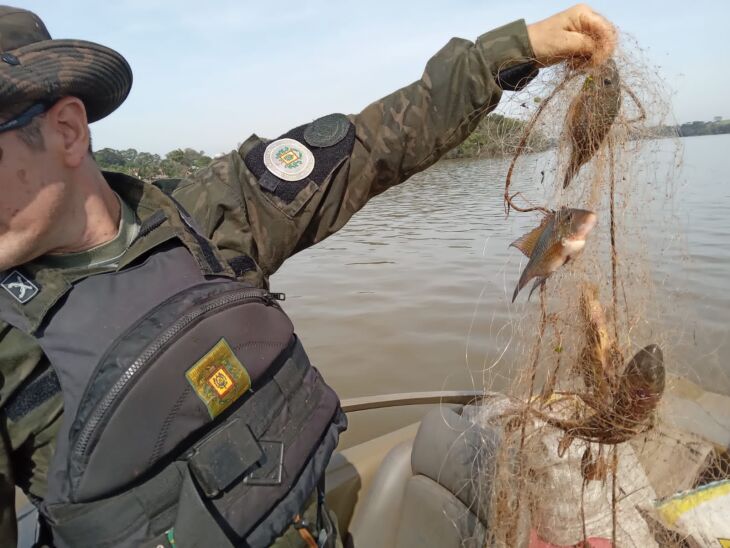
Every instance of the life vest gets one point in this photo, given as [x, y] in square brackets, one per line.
[192, 415]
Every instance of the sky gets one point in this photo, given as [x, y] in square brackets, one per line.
[209, 74]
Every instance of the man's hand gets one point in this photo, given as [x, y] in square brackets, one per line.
[577, 35]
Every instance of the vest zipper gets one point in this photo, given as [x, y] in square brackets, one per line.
[236, 297]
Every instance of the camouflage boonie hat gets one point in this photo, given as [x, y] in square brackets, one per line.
[36, 68]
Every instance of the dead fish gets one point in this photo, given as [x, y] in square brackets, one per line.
[600, 358]
[559, 238]
[641, 385]
[640, 388]
[591, 115]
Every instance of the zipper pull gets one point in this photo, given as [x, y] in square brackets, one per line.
[277, 296]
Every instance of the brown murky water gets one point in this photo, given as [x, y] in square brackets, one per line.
[413, 294]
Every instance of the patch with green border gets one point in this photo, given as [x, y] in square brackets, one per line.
[218, 378]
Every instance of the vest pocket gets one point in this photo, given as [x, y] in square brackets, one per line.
[211, 497]
[216, 348]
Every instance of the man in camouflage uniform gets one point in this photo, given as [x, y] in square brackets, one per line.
[62, 220]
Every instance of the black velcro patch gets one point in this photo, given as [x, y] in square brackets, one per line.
[33, 394]
[242, 264]
[325, 159]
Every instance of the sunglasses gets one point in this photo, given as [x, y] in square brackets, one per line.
[24, 118]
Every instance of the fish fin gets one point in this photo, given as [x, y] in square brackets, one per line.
[535, 269]
[525, 277]
[527, 242]
[569, 174]
[522, 283]
[539, 282]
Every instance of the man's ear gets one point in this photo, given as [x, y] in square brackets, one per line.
[67, 120]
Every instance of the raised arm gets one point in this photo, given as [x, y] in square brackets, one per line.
[249, 207]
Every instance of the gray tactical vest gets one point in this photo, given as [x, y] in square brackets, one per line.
[192, 416]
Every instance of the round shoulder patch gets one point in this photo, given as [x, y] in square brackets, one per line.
[288, 159]
[327, 130]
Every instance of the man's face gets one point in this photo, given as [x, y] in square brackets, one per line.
[32, 197]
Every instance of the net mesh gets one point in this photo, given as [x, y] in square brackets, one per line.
[589, 442]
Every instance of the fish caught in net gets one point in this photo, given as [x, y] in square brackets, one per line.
[590, 448]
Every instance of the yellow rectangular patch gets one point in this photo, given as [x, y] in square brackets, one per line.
[218, 378]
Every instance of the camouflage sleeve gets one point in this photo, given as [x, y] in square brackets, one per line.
[19, 356]
[8, 529]
[390, 140]
[409, 130]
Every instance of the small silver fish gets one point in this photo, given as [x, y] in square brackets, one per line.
[560, 237]
[591, 115]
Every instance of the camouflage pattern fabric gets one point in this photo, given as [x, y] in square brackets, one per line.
[395, 137]
[34, 68]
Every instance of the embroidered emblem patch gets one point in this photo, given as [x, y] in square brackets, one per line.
[327, 130]
[289, 159]
[20, 287]
[221, 382]
[219, 378]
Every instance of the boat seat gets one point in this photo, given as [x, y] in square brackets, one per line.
[431, 493]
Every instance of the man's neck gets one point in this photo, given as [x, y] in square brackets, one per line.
[95, 218]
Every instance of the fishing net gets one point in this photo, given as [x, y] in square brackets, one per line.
[590, 453]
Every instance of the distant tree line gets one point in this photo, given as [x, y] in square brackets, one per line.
[690, 129]
[144, 165]
[498, 135]
[716, 127]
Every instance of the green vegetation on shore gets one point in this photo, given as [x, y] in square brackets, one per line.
[498, 135]
[144, 165]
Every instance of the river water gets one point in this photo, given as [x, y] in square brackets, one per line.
[414, 293]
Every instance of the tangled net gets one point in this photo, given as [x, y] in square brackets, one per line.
[582, 415]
